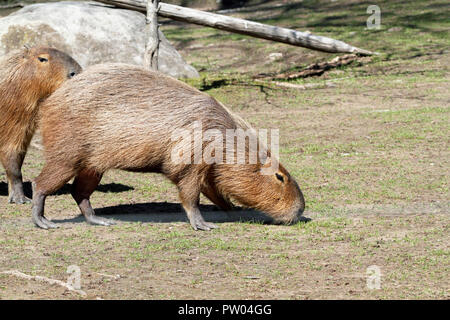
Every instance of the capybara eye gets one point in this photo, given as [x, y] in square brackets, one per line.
[279, 177]
[42, 59]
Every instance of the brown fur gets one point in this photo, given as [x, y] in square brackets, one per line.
[24, 82]
[117, 116]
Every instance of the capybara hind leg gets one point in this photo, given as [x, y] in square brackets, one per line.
[83, 186]
[51, 179]
[190, 197]
[13, 165]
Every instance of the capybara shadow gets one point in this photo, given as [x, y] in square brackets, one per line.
[104, 188]
[167, 212]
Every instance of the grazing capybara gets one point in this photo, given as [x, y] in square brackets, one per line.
[27, 76]
[118, 116]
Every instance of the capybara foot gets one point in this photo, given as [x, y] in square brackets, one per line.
[99, 221]
[199, 224]
[19, 199]
[43, 223]
[209, 225]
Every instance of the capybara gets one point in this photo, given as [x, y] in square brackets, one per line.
[118, 116]
[27, 77]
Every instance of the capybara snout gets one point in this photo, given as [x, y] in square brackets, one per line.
[291, 213]
[293, 196]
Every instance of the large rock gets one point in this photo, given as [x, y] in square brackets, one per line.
[91, 33]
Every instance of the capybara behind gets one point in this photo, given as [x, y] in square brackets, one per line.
[117, 116]
[27, 76]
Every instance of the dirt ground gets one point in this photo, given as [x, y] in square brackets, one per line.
[367, 142]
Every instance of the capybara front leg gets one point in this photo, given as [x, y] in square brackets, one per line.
[190, 197]
[51, 179]
[13, 165]
[83, 186]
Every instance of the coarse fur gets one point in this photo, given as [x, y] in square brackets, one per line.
[118, 116]
[27, 76]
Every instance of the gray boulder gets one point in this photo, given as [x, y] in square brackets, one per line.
[90, 32]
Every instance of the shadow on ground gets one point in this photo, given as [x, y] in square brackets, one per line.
[105, 188]
[165, 212]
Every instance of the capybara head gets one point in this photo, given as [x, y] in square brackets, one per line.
[270, 189]
[45, 69]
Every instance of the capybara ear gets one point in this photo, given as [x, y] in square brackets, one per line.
[27, 49]
[271, 166]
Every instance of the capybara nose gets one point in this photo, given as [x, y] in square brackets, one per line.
[300, 211]
[298, 214]
[71, 74]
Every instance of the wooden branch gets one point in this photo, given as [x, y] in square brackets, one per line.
[152, 32]
[241, 26]
[12, 5]
[44, 279]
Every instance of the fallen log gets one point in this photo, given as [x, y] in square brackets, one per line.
[241, 26]
[12, 5]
